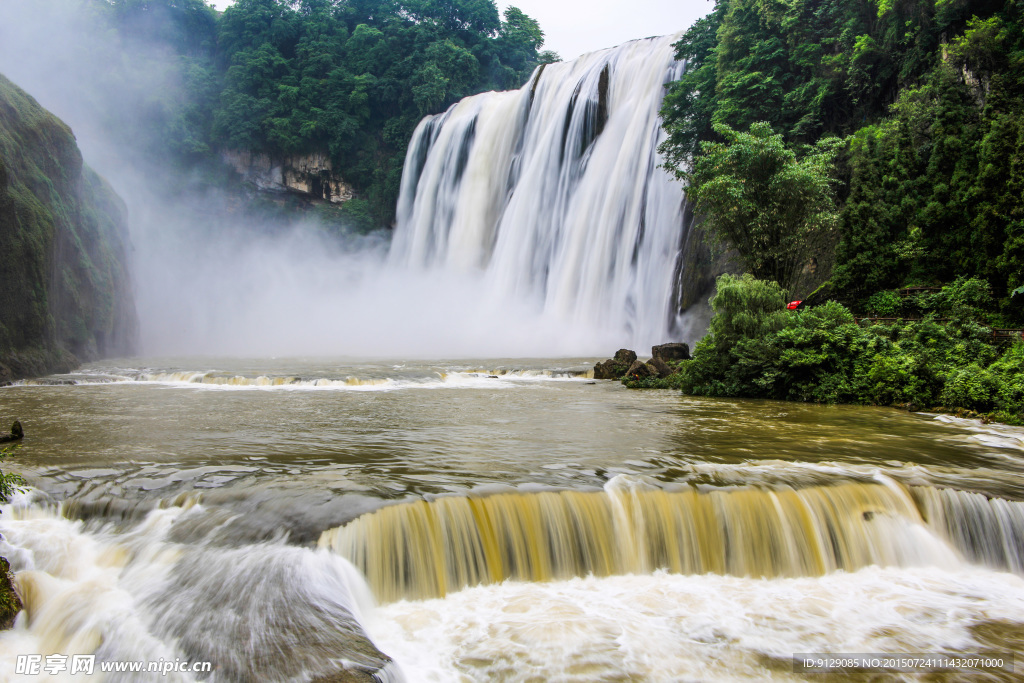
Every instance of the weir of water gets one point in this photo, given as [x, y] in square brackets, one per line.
[555, 192]
[427, 549]
[573, 528]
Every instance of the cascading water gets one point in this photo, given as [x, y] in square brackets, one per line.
[555, 193]
[317, 521]
[423, 550]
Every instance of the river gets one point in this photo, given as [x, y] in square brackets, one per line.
[506, 520]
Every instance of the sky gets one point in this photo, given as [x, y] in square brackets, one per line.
[572, 27]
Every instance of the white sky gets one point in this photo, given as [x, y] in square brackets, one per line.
[573, 27]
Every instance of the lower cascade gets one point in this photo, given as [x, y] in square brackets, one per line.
[426, 549]
[555, 192]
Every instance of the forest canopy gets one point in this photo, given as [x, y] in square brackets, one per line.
[350, 78]
[929, 95]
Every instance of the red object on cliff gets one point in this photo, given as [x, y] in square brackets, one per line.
[793, 305]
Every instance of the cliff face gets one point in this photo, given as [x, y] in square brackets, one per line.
[310, 176]
[65, 292]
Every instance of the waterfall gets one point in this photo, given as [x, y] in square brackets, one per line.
[988, 531]
[554, 193]
[429, 549]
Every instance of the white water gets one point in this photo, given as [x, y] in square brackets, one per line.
[666, 627]
[525, 189]
[269, 611]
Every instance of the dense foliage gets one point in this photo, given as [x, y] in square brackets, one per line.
[759, 198]
[949, 359]
[930, 94]
[350, 78]
[10, 482]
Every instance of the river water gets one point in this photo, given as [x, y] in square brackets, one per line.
[507, 520]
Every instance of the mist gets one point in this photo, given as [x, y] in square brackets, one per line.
[212, 280]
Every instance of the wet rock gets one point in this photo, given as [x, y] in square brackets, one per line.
[615, 368]
[671, 352]
[10, 603]
[609, 370]
[346, 676]
[639, 370]
[17, 433]
[660, 367]
[625, 356]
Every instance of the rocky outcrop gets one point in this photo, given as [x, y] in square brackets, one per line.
[311, 175]
[10, 603]
[615, 368]
[675, 351]
[698, 266]
[65, 290]
[662, 371]
[639, 370]
[659, 367]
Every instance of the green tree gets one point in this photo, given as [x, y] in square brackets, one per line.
[758, 197]
[10, 483]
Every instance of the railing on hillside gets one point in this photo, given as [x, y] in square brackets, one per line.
[908, 291]
[892, 321]
[1007, 334]
[998, 333]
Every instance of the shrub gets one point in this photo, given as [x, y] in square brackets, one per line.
[884, 304]
[10, 483]
[757, 349]
[972, 387]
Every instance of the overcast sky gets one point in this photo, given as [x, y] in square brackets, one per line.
[573, 27]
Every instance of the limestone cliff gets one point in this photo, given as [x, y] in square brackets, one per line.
[65, 292]
[310, 176]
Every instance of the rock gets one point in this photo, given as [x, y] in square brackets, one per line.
[639, 370]
[617, 367]
[346, 676]
[310, 175]
[609, 370]
[660, 367]
[625, 356]
[17, 433]
[10, 603]
[675, 351]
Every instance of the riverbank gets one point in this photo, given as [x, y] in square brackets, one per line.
[946, 361]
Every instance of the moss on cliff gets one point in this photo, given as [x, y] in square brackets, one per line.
[64, 285]
[10, 603]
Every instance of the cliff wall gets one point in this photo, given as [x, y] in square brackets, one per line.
[65, 290]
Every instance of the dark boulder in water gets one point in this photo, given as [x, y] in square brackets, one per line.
[671, 352]
[625, 356]
[615, 368]
[17, 433]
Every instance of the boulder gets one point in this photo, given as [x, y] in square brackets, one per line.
[625, 356]
[610, 369]
[615, 368]
[17, 433]
[639, 370]
[671, 352]
[660, 367]
[10, 603]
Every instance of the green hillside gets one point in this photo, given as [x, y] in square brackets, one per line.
[64, 287]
